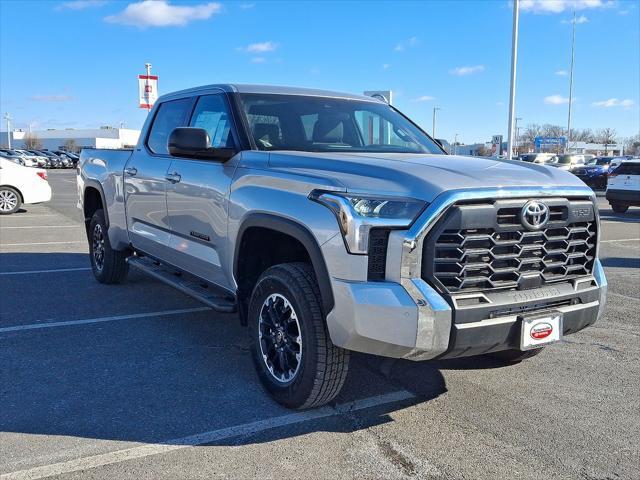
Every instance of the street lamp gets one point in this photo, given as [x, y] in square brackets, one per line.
[517, 134]
[455, 144]
[7, 117]
[514, 61]
[433, 126]
[573, 45]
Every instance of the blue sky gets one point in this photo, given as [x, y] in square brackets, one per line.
[75, 63]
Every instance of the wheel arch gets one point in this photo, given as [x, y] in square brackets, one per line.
[16, 189]
[92, 193]
[298, 232]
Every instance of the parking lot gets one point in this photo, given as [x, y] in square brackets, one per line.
[140, 381]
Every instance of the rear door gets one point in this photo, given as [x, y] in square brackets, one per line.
[145, 180]
[197, 197]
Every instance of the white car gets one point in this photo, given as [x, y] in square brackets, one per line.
[19, 184]
[623, 186]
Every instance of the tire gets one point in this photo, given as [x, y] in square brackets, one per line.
[619, 208]
[10, 200]
[108, 265]
[514, 356]
[286, 320]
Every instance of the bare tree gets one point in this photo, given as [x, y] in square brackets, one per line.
[582, 135]
[632, 145]
[606, 136]
[549, 130]
[32, 142]
[532, 131]
[70, 145]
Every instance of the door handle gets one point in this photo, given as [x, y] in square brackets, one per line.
[131, 171]
[173, 177]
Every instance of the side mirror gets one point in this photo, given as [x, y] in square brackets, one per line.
[194, 143]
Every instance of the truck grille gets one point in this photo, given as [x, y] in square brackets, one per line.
[484, 246]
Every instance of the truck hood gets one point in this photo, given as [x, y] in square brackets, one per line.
[417, 175]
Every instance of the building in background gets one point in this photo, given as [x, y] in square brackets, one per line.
[55, 139]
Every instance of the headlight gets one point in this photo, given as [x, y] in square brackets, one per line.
[358, 214]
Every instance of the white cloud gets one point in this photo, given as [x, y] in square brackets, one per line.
[258, 60]
[409, 43]
[160, 13]
[579, 20]
[562, 73]
[614, 102]
[556, 100]
[247, 6]
[424, 98]
[51, 98]
[81, 4]
[559, 6]
[499, 104]
[385, 66]
[460, 71]
[261, 47]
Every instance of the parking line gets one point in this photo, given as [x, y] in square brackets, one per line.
[38, 326]
[167, 446]
[38, 243]
[56, 270]
[44, 226]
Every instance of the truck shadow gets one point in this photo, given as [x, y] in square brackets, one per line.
[162, 377]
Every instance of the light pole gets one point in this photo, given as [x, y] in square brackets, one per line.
[514, 61]
[455, 144]
[573, 45]
[433, 126]
[7, 117]
[517, 135]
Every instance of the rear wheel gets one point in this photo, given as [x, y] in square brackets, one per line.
[108, 265]
[515, 356]
[294, 357]
[10, 200]
[619, 207]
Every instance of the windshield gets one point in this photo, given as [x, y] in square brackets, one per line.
[600, 161]
[320, 124]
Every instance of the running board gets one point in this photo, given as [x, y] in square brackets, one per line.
[197, 288]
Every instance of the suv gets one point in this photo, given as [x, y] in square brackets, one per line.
[623, 186]
[332, 223]
[569, 162]
[543, 158]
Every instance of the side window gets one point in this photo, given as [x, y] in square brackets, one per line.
[376, 130]
[170, 115]
[212, 114]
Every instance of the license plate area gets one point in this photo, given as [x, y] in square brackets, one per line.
[536, 331]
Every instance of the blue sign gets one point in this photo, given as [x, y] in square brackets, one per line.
[540, 141]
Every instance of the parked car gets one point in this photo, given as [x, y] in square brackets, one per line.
[623, 186]
[53, 159]
[544, 158]
[71, 158]
[569, 162]
[327, 237]
[38, 160]
[617, 161]
[594, 173]
[21, 185]
[12, 156]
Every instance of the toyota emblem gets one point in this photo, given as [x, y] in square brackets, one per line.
[534, 215]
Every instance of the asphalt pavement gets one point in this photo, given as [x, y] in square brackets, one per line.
[140, 381]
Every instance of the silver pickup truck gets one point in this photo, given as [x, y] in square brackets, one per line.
[332, 223]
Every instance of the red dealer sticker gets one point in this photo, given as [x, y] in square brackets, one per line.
[541, 330]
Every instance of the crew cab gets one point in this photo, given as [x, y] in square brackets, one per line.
[623, 186]
[332, 223]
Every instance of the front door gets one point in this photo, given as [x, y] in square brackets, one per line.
[197, 197]
[145, 182]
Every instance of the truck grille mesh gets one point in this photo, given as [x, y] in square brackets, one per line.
[505, 255]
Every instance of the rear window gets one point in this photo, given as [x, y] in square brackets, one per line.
[628, 169]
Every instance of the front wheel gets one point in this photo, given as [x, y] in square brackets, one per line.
[108, 265]
[9, 200]
[619, 207]
[294, 357]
